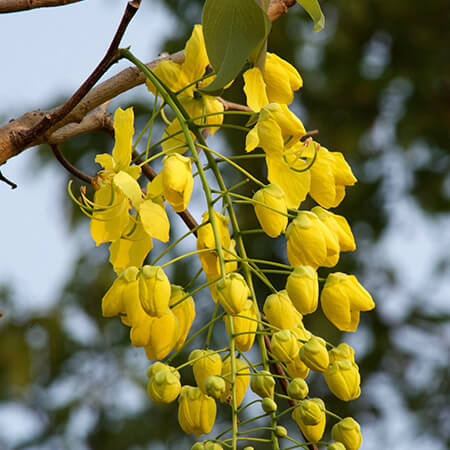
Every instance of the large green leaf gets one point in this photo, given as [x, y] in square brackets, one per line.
[312, 7]
[232, 30]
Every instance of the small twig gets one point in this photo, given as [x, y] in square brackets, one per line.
[311, 133]
[236, 106]
[24, 138]
[9, 182]
[9, 6]
[67, 165]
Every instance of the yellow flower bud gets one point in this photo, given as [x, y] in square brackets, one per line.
[164, 386]
[215, 386]
[348, 432]
[242, 381]
[339, 226]
[280, 312]
[232, 293]
[196, 411]
[313, 411]
[205, 364]
[343, 379]
[163, 334]
[302, 287]
[244, 342]
[298, 389]
[154, 291]
[184, 311]
[297, 368]
[272, 222]
[268, 405]
[113, 302]
[280, 431]
[198, 446]
[310, 242]
[314, 354]
[336, 446]
[342, 299]
[177, 180]
[284, 345]
[212, 446]
[263, 384]
[341, 353]
[156, 367]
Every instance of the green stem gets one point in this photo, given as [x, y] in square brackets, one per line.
[194, 252]
[211, 326]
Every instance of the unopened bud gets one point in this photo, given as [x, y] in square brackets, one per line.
[215, 386]
[268, 405]
[298, 389]
[314, 354]
[154, 291]
[263, 384]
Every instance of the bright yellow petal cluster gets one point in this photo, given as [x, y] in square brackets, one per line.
[280, 312]
[343, 380]
[242, 381]
[164, 384]
[206, 363]
[244, 326]
[342, 299]
[184, 312]
[284, 345]
[302, 287]
[311, 411]
[348, 432]
[314, 354]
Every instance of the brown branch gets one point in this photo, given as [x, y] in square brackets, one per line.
[279, 7]
[9, 182]
[22, 139]
[236, 106]
[9, 6]
[67, 165]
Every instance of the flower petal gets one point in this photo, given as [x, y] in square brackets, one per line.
[154, 220]
[123, 134]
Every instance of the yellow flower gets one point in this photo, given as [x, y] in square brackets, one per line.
[336, 446]
[312, 410]
[339, 226]
[342, 299]
[184, 311]
[163, 333]
[242, 381]
[314, 354]
[341, 353]
[298, 389]
[310, 242]
[154, 291]
[277, 84]
[215, 386]
[284, 345]
[177, 181]
[164, 386]
[248, 327]
[206, 363]
[263, 384]
[272, 222]
[280, 312]
[232, 293]
[297, 368]
[330, 174]
[302, 287]
[205, 240]
[348, 432]
[343, 379]
[196, 411]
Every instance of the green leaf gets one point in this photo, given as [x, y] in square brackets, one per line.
[312, 7]
[232, 30]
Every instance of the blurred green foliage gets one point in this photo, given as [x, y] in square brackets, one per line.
[376, 84]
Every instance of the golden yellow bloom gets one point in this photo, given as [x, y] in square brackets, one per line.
[154, 291]
[302, 287]
[348, 432]
[248, 327]
[215, 386]
[163, 333]
[206, 363]
[341, 353]
[184, 311]
[156, 367]
[277, 84]
[338, 225]
[272, 222]
[205, 239]
[232, 293]
[177, 181]
[280, 312]
[343, 379]
[297, 368]
[263, 384]
[342, 299]
[164, 386]
[298, 389]
[242, 381]
[314, 354]
[196, 411]
[310, 242]
[284, 345]
[312, 410]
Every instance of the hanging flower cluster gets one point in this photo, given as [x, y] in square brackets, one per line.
[160, 314]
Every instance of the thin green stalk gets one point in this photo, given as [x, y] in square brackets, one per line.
[211, 326]
[185, 255]
[256, 202]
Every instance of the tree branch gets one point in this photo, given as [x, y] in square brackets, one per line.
[9, 6]
[67, 165]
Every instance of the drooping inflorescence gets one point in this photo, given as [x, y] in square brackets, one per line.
[160, 314]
